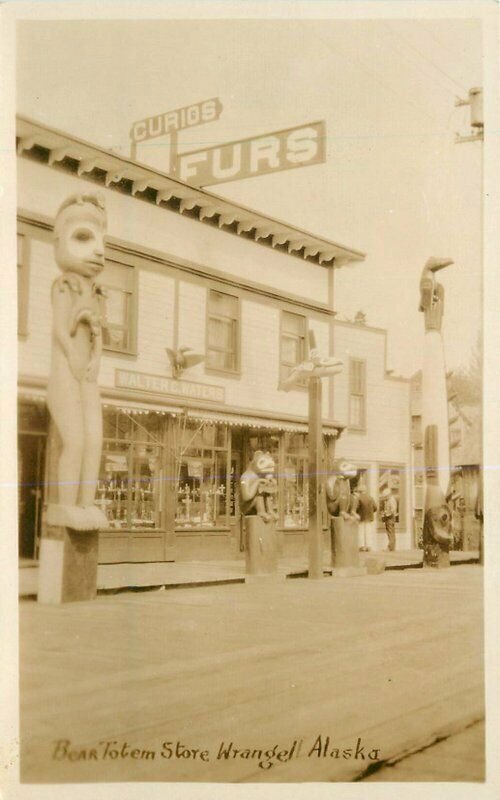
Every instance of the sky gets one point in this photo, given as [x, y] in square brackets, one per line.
[394, 185]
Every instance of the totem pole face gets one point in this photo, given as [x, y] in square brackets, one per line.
[438, 522]
[263, 463]
[342, 468]
[79, 239]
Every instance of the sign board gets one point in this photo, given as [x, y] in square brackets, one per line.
[157, 384]
[173, 121]
[195, 468]
[258, 155]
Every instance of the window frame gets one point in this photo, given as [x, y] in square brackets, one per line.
[129, 444]
[182, 455]
[23, 283]
[133, 303]
[362, 395]
[298, 386]
[210, 370]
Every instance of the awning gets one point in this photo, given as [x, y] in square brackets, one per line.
[248, 421]
[39, 396]
[136, 407]
[32, 395]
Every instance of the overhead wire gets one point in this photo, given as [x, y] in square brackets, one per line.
[433, 63]
[442, 45]
[380, 79]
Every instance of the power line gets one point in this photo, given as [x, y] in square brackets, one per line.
[433, 63]
[380, 79]
[442, 45]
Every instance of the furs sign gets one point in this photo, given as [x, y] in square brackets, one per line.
[257, 155]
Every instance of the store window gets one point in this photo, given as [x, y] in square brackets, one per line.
[357, 393]
[393, 478]
[295, 481]
[130, 481]
[223, 323]
[22, 285]
[293, 342]
[119, 283]
[202, 475]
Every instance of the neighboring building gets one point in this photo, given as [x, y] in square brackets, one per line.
[185, 268]
[465, 459]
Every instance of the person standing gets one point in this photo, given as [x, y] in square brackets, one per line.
[366, 509]
[388, 512]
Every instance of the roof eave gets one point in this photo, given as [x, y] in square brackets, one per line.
[206, 204]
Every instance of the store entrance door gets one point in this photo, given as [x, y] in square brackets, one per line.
[31, 461]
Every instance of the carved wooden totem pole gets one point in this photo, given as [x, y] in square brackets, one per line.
[343, 506]
[258, 489]
[437, 535]
[68, 558]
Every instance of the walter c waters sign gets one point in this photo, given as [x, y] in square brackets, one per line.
[158, 384]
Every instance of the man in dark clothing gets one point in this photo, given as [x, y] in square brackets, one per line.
[366, 509]
[388, 511]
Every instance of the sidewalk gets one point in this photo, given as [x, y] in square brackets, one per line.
[137, 686]
[200, 573]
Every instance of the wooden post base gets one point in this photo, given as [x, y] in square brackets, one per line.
[261, 546]
[68, 566]
[348, 572]
[435, 556]
[345, 549]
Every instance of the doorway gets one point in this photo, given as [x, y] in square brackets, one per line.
[31, 464]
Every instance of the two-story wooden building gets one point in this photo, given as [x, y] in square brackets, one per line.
[188, 269]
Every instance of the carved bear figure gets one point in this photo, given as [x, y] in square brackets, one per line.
[339, 499]
[258, 486]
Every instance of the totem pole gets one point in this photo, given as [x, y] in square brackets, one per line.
[258, 488]
[343, 508]
[68, 558]
[437, 535]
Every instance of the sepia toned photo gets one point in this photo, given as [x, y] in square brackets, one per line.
[250, 398]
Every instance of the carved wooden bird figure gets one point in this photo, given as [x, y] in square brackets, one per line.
[182, 359]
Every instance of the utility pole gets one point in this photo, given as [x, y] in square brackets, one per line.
[475, 102]
[312, 370]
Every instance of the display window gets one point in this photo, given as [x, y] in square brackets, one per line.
[129, 489]
[295, 512]
[202, 475]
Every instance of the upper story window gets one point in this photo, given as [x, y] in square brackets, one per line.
[357, 393]
[22, 285]
[119, 282]
[293, 342]
[223, 331]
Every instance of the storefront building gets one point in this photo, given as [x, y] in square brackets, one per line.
[186, 269]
